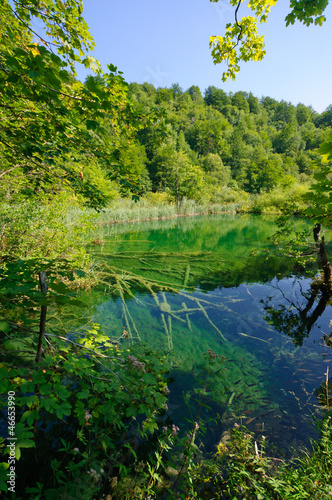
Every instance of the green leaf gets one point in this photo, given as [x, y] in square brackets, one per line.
[3, 476]
[38, 377]
[131, 411]
[80, 273]
[60, 288]
[63, 410]
[61, 392]
[24, 443]
[34, 74]
[150, 426]
[92, 124]
[112, 68]
[149, 379]
[13, 79]
[84, 394]
[4, 326]
[30, 416]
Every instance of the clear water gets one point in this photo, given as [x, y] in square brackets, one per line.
[228, 296]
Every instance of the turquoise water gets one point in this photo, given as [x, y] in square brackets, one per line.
[185, 286]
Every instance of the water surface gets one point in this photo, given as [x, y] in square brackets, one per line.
[222, 292]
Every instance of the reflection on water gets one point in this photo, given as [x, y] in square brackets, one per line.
[232, 299]
[298, 309]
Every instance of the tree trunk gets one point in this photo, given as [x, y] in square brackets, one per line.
[43, 311]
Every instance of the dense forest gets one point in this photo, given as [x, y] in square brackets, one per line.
[224, 141]
[201, 147]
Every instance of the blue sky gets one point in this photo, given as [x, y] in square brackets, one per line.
[165, 42]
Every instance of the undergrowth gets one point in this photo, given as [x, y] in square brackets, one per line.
[91, 422]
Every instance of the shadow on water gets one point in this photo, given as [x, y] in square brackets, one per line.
[204, 283]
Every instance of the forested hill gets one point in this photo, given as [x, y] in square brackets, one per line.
[217, 140]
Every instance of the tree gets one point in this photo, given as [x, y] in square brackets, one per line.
[217, 174]
[241, 41]
[131, 165]
[285, 113]
[178, 175]
[208, 136]
[320, 196]
[45, 112]
[195, 93]
[264, 171]
[288, 140]
[216, 98]
[325, 119]
[253, 104]
[303, 114]
[239, 100]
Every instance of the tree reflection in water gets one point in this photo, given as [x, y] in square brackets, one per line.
[297, 318]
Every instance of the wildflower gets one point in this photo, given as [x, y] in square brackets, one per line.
[165, 428]
[175, 430]
[101, 471]
[87, 415]
[134, 418]
[76, 450]
[165, 406]
[263, 437]
[196, 426]
[94, 474]
[166, 390]
[236, 425]
[136, 364]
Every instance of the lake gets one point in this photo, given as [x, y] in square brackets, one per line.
[188, 285]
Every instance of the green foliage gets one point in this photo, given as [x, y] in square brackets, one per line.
[131, 164]
[259, 142]
[178, 176]
[52, 124]
[242, 42]
[320, 192]
[307, 12]
[253, 475]
[241, 34]
[83, 406]
[34, 229]
[264, 172]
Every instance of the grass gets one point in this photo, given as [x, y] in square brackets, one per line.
[156, 206]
